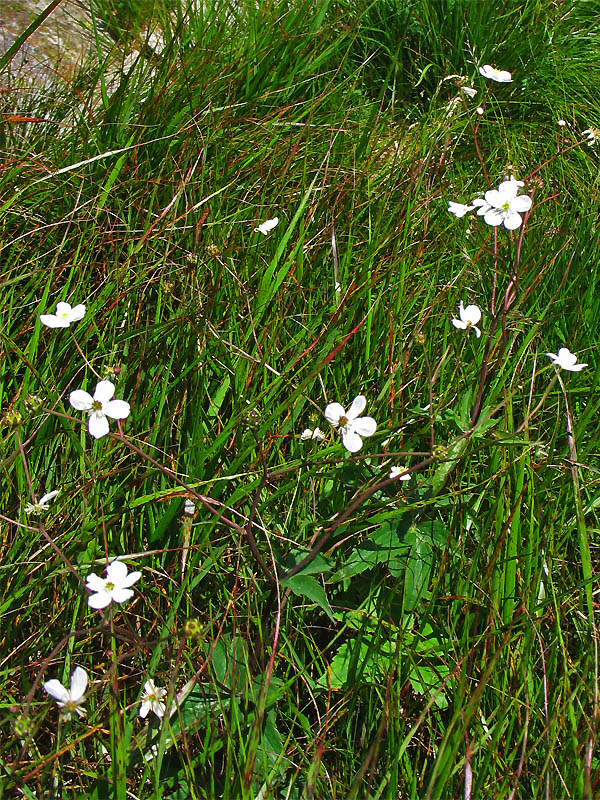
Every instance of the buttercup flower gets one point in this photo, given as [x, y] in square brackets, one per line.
[498, 75]
[69, 700]
[351, 425]
[566, 359]
[469, 317]
[395, 471]
[99, 407]
[501, 206]
[152, 700]
[267, 226]
[113, 588]
[41, 505]
[459, 209]
[308, 434]
[64, 316]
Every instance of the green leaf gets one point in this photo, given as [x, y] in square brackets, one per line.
[306, 586]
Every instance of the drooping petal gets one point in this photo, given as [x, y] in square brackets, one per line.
[98, 424]
[104, 391]
[512, 220]
[358, 406]
[80, 400]
[79, 680]
[99, 600]
[122, 595]
[351, 440]
[50, 321]
[116, 409]
[364, 426]
[333, 412]
[55, 689]
[458, 323]
[477, 331]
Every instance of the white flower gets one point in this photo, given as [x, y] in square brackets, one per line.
[459, 209]
[64, 316]
[100, 406]
[308, 434]
[42, 504]
[152, 700]
[69, 700]
[396, 471]
[469, 317]
[468, 91]
[189, 507]
[501, 206]
[267, 226]
[352, 426]
[113, 588]
[499, 75]
[561, 123]
[479, 110]
[592, 134]
[566, 359]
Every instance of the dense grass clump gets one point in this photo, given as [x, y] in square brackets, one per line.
[314, 625]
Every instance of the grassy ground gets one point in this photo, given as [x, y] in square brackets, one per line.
[324, 631]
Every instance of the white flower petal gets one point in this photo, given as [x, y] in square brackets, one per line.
[80, 400]
[494, 217]
[351, 440]
[98, 424]
[470, 314]
[50, 321]
[333, 412]
[512, 220]
[521, 203]
[116, 572]
[55, 689]
[477, 331]
[99, 600]
[144, 709]
[77, 313]
[458, 323]
[116, 409]
[364, 426]
[132, 578]
[357, 407]
[95, 583]
[63, 309]
[104, 391]
[47, 497]
[122, 595]
[79, 680]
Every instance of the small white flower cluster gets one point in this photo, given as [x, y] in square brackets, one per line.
[501, 206]
[70, 701]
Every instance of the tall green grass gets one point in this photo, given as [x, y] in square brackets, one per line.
[439, 638]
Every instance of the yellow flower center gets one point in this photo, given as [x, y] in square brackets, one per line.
[109, 586]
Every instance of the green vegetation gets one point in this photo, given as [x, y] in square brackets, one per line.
[324, 631]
